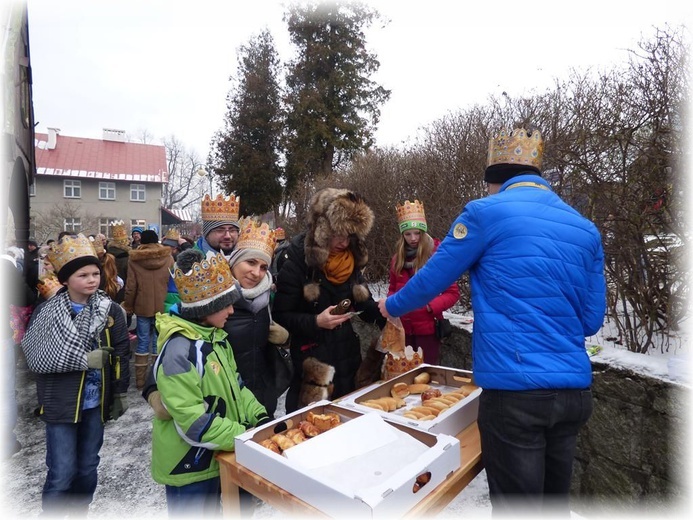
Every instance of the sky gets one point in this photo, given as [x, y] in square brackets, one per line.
[163, 67]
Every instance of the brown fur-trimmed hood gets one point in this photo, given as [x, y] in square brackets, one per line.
[333, 212]
[151, 256]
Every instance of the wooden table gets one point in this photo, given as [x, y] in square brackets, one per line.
[233, 476]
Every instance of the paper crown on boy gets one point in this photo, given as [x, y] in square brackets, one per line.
[411, 215]
[279, 234]
[220, 211]
[510, 154]
[204, 286]
[70, 254]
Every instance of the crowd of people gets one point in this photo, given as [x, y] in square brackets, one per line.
[211, 313]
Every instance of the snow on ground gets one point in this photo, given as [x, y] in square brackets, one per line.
[126, 487]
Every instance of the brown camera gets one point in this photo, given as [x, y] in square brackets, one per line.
[342, 307]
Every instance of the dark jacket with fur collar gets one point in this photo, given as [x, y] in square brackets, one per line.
[147, 284]
[303, 291]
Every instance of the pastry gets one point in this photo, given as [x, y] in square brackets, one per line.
[296, 435]
[422, 378]
[392, 338]
[400, 390]
[270, 445]
[308, 429]
[341, 307]
[283, 441]
[418, 388]
[430, 394]
[324, 422]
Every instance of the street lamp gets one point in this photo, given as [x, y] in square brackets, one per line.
[204, 173]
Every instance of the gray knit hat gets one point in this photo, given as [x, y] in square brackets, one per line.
[205, 286]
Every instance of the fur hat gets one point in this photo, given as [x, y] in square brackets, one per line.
[204, 286]
[317, 381]
[335, 211]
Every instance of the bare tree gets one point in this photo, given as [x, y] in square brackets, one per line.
[188, 180]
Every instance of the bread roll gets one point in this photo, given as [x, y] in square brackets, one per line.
[400, 390]
[422, 378]
[283, 441]
[418, 388]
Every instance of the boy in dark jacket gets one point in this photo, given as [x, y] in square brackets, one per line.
[77, 344]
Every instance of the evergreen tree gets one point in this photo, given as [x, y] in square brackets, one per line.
[245, 155]
[333, 106]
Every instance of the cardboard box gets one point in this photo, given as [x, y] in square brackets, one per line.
[331, 488]
[451, 421]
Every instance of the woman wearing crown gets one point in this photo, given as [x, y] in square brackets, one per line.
[414, 247]
[250, 327]
[77, 345]
[201, 404]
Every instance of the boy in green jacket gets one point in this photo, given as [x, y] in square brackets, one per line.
[199, 387]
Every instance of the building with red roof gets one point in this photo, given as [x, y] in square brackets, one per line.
[82, 185]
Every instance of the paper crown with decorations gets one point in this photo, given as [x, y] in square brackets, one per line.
[48, 285]
[207, 287]
[256, 235]
[68, 249]
[279, 234]
[411, 215]
[171, 237]
[518, 147]
[98, 245]
[118, 234]
[221, 208]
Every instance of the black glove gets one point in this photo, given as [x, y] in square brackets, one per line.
[98, 358]
[120, 405]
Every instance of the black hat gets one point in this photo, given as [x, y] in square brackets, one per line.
[149, 236]
[73, 266]
[500, 173]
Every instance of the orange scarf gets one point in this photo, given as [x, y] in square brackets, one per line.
[339, 267]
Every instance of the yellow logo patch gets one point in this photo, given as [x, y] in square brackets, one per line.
[460, 231]
[110, 321]
[216, 368]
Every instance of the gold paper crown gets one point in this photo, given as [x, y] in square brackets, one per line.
[519, 147]
[399, 363]
[411, 215]
[221, 208]
[118, 233]
[206, 280]
[172, 234]
[279, 234]
[98, 246]
[48, 285]
[68, 249]
[254, 235]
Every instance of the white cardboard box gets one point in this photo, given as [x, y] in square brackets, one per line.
[329, 489]
[450, 422]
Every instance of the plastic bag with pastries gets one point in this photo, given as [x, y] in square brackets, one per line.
[392, 338]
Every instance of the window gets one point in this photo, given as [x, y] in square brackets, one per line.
[140, 223]
[138, 192]
[107, 191]
[72, 224]
[103, 225]
[72, 189]
[32, 189]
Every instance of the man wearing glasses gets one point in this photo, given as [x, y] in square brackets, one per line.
[219, 225]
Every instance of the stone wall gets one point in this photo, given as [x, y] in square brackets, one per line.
[632, 454]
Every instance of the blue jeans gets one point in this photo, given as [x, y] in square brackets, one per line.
[196, 500]
[72, 457]
[146, 335]
[528, 442]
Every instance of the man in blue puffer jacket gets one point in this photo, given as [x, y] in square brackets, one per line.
[538, 288]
